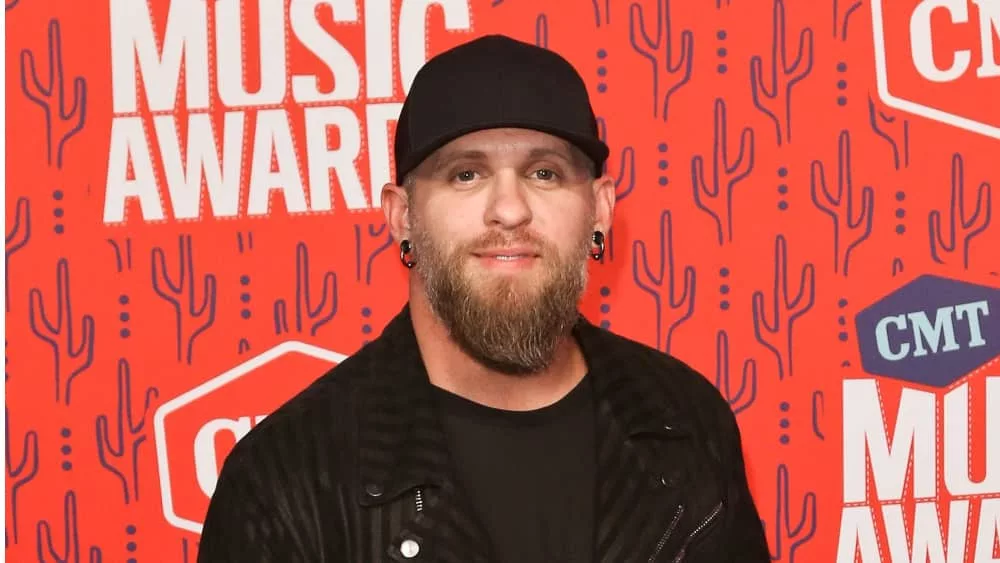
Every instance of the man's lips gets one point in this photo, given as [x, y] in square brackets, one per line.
[508, 253]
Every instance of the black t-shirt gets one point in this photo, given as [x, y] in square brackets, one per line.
[530, 474]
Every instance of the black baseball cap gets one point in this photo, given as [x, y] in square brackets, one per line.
[490, 82]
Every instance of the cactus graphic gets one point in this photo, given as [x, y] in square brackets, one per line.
[365, 262]
[625, 179]
[818, 410]
[244, 244]
[123, 261]
[960, 226]
[542, 31]
[848, 231]
[190, 319]
[18, 236]
[774, 98]
[671, 309]
[893, 129]
[739, 400]
[20, 475]
[70, 552]
[659, 50]
[785, 532]
[624, 182]
[598, 12]
[51, 96]
[71, 358]
[839, 22]
[321, 313]
[118, 448]
[716, 198]
[897, 266]
[776, 334]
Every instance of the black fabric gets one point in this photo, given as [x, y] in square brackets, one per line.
[494, 81]
[529, 474]
[358, 463]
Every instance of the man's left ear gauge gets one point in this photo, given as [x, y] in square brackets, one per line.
[598, 239]
[405, 248]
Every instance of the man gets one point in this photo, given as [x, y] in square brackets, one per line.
[490, 421]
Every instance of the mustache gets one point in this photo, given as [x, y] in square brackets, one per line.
[499, 239]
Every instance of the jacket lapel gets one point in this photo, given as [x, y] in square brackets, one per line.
[402, 448]
[638, 498]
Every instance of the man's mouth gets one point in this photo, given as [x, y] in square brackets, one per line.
[507, 256]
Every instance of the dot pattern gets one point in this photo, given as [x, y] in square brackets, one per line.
[58, 211]
[782, 189]
[721, 52]
[841, 85]
[724, 289]
[366, 327]
[245, 296]
[784, 423]
[900, 212]
[663, 164]
[124, 316]
[602, 71]
[66, 450]
[605, 307]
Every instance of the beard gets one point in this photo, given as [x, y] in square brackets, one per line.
[506, 323]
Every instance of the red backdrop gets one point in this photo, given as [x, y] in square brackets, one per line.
[805, 215]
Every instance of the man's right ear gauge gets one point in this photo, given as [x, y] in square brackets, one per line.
[404, 249]
[598, 240]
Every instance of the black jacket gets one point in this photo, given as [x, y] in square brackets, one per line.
[356, 464]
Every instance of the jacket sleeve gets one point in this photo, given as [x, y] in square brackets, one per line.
[745, 537]
[243, 522]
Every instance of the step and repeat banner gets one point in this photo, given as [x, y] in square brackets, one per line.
[806, 214]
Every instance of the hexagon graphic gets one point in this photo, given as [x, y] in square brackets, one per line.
[938, 60]
[196, 430]
[931, 331]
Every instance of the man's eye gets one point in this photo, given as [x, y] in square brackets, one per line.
[466, 176]
[545, 174]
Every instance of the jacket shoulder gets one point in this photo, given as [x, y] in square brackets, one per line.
[686, 392]
[322, 415]
[670, 371]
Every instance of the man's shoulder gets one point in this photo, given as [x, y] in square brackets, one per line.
[684, 390]
[662, 368]
[321, 413]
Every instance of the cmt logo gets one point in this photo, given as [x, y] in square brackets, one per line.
[195, 431]
[938, 59]
[930, 331]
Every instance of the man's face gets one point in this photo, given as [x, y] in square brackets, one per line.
[501, 223]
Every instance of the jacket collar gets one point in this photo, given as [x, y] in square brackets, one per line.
[402, 444]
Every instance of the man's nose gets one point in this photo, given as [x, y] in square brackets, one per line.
[507, 206]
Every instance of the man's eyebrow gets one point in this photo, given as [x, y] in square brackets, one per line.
[540, 152]
[573, 157]
[444, 157]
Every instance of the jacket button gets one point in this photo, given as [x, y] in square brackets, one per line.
[373, 490]
[409, 548]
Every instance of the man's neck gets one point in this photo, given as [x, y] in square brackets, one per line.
[451, 369]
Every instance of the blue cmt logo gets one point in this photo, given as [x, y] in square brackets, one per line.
[931, 331]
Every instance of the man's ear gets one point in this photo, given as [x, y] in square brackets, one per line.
[604, 202]
[395, 206]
